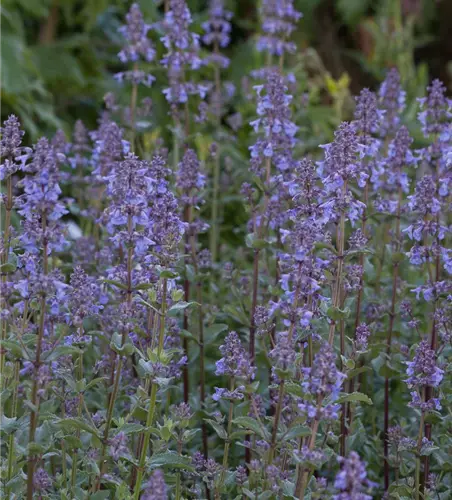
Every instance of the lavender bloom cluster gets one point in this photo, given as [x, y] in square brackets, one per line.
[182, 54]
[279, 20]
[275, 124]
[217, 33]
[137, 46]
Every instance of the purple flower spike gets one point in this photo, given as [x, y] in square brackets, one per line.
[155, 489]
[422, 371]
[351, 482]
[392, 101]
[279, 20]
[182, 53]
[135, 32]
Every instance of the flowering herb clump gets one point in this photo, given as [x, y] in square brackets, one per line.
[297, 345]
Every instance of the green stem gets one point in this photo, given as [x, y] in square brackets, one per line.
[418, 458]
[304, 474]
[79, 414]
[133, 106]
[4, 260]
[340, 263]
[282, 385]
[214, 218]
[214, 233]
[178, 483]
[392, 314]
[227, 442]
[119, 362]
[34, 393]
[13, 415]
[276, 422]
[152, 402]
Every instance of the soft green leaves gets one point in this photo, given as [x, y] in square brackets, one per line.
[219, 429]
[180, 306]
[8, 425]
[117, 345]
[256, 243]
[7, 268]
[336, 314]
[172, 460]
[355, 397]
[252, 425]
[75, 424]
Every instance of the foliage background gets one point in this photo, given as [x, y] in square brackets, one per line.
[58, 56]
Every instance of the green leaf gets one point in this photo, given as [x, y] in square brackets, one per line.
[8, 425]
[73, 442]
[13, 347]
[188, 335]
[295, 432]
[144, 286]
[401, 489]
[237, 313]
[180, 306]
[76, 423]
[116, 283]
[4, 396]
[398, 257]
[294, 389]
[256, 243]
[7, 268]
[337, 314]
[352, 11]
[219, 429]
[212, 332]
[17, 76]
[100, 495]
[357, 371]
[94, 382]
[116, 344]
[171, 459]
[355, 397]
[62, 350]
[328, 246]
[250, 424]
[168, 274]
[55, 64]
[131, 428]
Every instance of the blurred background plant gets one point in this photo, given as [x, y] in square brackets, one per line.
[58, 56]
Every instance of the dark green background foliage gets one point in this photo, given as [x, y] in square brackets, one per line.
[58, 56]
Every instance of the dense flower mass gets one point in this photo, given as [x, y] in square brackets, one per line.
[137, 46]
[323, 382]
[279, 20]
[135, 33]
[274, 123]
[422, 371]
[10, 146]
[218, 27]
[182, 54]
[392, 99]
[351, 482]
[296, 346]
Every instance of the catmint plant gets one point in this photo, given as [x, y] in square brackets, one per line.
[43, 235]
[137, 46]
[217, 34]
[191, 181]
[307, 356]
[279, 20]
